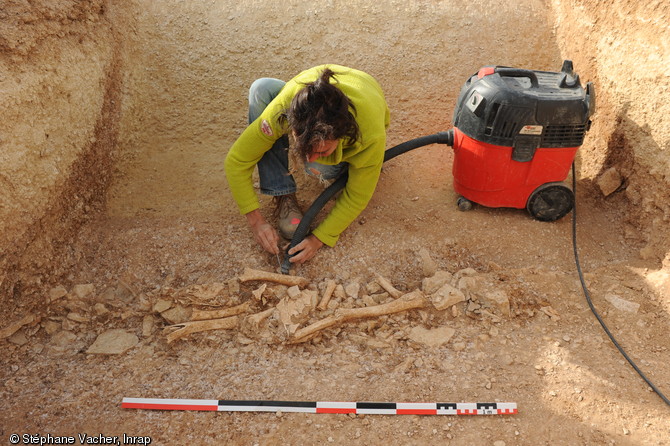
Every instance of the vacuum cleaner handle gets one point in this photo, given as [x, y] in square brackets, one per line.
[518, 72]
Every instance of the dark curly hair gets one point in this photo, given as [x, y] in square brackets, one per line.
[319, 112]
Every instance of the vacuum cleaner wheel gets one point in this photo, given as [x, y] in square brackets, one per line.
[463, 204]
[550, 202]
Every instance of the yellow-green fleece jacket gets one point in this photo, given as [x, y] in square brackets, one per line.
[365, 157]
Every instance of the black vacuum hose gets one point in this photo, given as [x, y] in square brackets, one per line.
[303, 228]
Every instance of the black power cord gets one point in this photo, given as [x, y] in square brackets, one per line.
[588, 298]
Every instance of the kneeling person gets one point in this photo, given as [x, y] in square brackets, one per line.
[336, 118]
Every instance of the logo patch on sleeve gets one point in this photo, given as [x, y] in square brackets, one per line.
[266, 128]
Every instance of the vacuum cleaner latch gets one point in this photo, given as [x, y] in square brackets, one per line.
[525, 146]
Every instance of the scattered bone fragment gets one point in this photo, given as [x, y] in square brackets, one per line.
[201, 315]
[409, 301]
[187, 328]
[254, 321]
[293, 311]
[250, 274]
[327, 294]
[258, 292]
[388, 287]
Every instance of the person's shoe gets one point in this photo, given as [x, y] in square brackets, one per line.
[288, 215]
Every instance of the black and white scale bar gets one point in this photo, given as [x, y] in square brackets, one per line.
[368, 408]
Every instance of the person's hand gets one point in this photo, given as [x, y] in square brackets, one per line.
[305, 250]
[264, 233]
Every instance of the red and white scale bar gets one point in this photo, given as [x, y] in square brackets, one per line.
[368, 408]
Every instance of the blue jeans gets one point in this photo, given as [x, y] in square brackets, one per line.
[273, 167]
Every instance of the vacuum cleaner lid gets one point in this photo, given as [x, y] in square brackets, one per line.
[519, 107]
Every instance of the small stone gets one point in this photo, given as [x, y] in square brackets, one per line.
[147, 325]
[431, 338]
[18, 338]
[124, 291]
[609, 181]
[113, 342]
[76, 317]
[234, 287]
[431, 284]
[69, 325]
[144, 304]
[162, 305]
[100, 309]
[622, 304]
[352, 289]
[339, 292]
[51, 327]
[499, 300]
[446, 297]
[293, 292]
[428, 265]
[459, 346]
[56, 293]
[373, 288]
[465, 273]
[466, 283]
[63, 339]
[108, 295]
[83, 291]
[499, 443]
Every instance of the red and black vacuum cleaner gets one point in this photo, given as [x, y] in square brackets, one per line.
[515, 136]
[516, 132]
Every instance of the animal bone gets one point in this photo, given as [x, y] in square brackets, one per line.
[255, 320]
[250, 274]
[388, 287]
[202, 315]
[330, 287]
[409, 301]
[188, 328]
